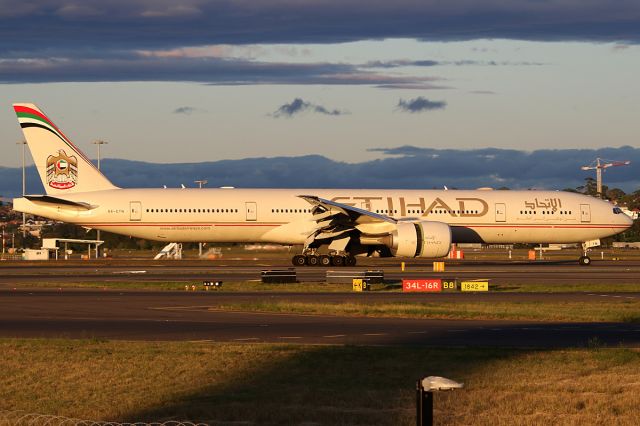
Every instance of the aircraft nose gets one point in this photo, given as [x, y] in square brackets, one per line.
[628, 221]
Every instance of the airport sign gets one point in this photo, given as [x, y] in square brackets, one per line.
[474, 286]
[449, 285]
[428, 285]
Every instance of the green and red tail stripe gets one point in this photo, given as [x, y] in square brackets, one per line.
[29, 117]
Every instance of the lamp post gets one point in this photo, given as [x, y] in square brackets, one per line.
[99, 143]
[200, 183]
[24, 191]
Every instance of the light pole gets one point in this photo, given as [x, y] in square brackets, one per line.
[99, 143]
[24, 190]
[200, 183]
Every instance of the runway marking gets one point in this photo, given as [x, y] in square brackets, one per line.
[289, 337]
[375, 334]
[246, 339]
[335, 335]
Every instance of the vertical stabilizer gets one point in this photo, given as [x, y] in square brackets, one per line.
[62, 167]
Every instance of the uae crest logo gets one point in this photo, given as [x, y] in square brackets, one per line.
[62, 171]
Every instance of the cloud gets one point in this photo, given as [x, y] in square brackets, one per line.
[187, 110]
[431, 63]
[482, 92]
[216, 41]
[137, 24]
[420, 104]
[400, 167]
[299, 106]
[142, 66]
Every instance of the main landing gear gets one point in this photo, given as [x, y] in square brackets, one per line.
[584, 260]
[313, 259]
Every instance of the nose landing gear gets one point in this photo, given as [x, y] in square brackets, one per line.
[585, 260]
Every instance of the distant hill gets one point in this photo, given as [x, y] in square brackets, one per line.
[403, 167]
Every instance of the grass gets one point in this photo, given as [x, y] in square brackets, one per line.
[256, 286]
[599, 311]
[296, 384]
[228, 286]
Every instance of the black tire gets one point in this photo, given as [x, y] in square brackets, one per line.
[584, 261]
[312, 260]
[299, 260]
[337, 260]
[325, 260]
[350, 261]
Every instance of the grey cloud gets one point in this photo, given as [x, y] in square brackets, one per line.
[139, 24]
[187, 110]
[482, 92]
[212, 70]
[420, 104]
[400, 167]
[298, 106]
[431, 63]
[402, 63]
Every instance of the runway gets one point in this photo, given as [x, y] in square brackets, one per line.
[557, 272]
[138, 315]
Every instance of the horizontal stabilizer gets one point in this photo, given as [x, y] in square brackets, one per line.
[47, 199]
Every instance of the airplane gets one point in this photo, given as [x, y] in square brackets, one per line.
[350, 222]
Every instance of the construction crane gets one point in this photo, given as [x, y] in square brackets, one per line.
[599, 165]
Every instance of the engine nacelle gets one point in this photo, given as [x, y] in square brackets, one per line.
[421, 239]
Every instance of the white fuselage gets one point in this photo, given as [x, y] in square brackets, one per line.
[280, 216]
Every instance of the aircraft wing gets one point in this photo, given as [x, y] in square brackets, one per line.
[337, 221]
[356, 214]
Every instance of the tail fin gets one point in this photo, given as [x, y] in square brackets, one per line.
[63, 168]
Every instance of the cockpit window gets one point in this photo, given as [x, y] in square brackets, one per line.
[617, 210]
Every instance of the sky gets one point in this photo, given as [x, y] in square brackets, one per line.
[197, 80]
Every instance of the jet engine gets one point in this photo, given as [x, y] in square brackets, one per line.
[421, 239]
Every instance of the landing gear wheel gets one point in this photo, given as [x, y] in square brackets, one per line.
[350, 261]
[325, 260]
[299, 260]
[584, 261]
[312, 260]
[337, 260]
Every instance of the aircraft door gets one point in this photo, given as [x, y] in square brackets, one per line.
[135, 210]
[585, 213]
[252, 211]
[501, 212]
